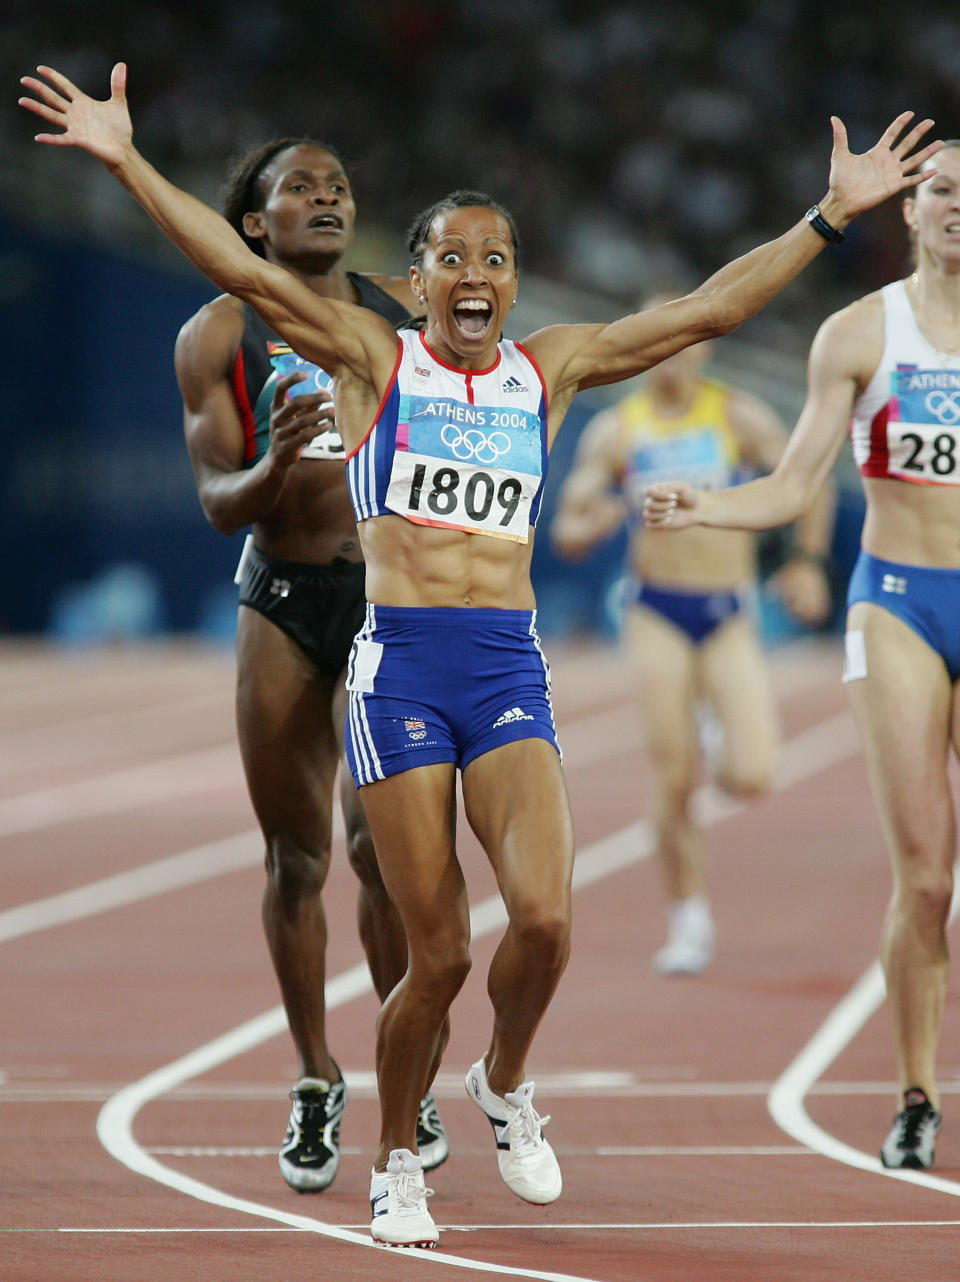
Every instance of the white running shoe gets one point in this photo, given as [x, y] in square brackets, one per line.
[398, 1203]
[683, 956]
[691, 939]
[527, 1163]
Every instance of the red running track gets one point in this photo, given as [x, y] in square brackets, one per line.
[145, 1066]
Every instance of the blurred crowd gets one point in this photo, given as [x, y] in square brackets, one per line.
[635, 141]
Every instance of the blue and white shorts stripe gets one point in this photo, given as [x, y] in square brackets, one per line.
[443, 685]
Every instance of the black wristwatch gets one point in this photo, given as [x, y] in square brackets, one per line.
[821, 226]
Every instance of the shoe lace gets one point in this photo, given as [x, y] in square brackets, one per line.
[524, 1126]
[411, 1194]
[311, 1109]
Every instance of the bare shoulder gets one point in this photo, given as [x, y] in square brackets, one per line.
[850, 342]
[208, 341]
[865, 311]
[554, 347]
[222, 316]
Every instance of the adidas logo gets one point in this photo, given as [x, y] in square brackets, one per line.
[514, 385]
[511, 715]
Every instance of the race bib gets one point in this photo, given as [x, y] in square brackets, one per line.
[923, 425]
[466, 467]
[326, 444]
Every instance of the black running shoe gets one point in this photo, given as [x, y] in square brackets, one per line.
[310, 1155]
[432, 1142]
[915, 1127]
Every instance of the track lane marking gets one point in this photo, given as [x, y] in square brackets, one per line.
[215, 859]
[785, 1101]
[805, 755]
[541, 1228]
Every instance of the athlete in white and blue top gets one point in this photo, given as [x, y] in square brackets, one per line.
[888, 368]
[461, 450]
[448, 559]
[456, 449]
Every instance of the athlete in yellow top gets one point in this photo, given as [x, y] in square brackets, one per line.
[691, 638]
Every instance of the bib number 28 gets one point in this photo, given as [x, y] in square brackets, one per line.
[941, 458]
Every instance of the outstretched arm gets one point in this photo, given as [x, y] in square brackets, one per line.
[589, 356]
[320, 329]
[838, 361]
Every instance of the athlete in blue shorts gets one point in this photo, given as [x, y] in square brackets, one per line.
[886, 371]
[447, 433]
[688, 627]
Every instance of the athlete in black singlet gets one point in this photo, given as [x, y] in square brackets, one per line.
[266, 455]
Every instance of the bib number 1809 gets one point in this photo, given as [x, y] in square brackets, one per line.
[477, 496]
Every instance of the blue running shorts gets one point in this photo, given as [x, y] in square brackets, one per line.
[435, 685]
[697, 614]
[926, 598]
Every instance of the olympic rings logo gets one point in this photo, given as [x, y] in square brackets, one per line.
[474, 444]
[945, 405]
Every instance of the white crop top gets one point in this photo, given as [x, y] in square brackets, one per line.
[906, 423]
[461, 449]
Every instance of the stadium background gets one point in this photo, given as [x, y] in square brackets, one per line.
[635, 142]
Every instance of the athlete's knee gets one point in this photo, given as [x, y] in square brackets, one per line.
[439, 970]
[674, 783]
[543, 931]
[925, 894]
[294, 872]
[363, 856]
[747, 781]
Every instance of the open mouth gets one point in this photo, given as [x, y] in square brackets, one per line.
[327, 222]
[473, 316]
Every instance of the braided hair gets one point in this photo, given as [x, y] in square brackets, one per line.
[419, 232]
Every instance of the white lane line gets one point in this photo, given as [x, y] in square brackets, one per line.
[115, 1130]
[109, 794]
[785, 1101]
[566, 1150]
[362, 1085]
[550, 1228]
[801, 758]
[163, 875]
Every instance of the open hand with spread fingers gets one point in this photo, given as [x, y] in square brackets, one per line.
[892, 165]
[101, 127]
